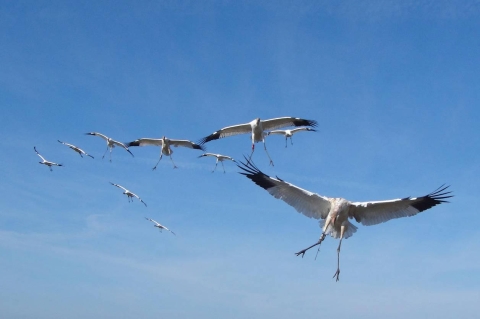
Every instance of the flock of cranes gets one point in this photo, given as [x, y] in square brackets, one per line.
[333, 213]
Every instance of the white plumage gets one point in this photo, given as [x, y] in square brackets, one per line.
[257, 129]
[220, 158]
[45, 162]
[165, 146]
[76, 149]
[336, 212]
[289, 133]
[158, 225]
[129, 194]
[111, 143]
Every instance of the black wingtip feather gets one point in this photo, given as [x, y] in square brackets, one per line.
[252, 172]
[211, 137]
[436, 197]
[303, 122]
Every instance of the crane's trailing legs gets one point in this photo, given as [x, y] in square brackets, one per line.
[337, 273]
[265, 147]
[322, 238]
[155, 167]
[303, 251]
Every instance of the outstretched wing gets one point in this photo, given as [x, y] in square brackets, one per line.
[35, 149]
[299, 129]
[67, 144]
[309, 204]
[146, 142]
[280, 122]
[98, 134]
[372, 213]
[281, 132]
[186, 143]
[121, 145]
[119, 186]
[227, 131]
[140, 199]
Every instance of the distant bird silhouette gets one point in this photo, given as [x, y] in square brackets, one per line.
[45, 162]
[220, 158]
[165, 146]
[335, 212]
[76, 149]
[129, 194]
[111, 143]
[159, 226]
[289, 133]
[257, 128]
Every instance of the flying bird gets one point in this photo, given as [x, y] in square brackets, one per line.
[289, 133]
[129, 194]
[257, 128]
[76, 149]
[45, 162]
[220, 158]
[335, 212]
[111, 143]
[165, 146]
[159, 226]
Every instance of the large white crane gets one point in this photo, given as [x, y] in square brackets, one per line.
[257, 128]
[335, 212]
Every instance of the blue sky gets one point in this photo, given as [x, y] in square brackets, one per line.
[393, 86]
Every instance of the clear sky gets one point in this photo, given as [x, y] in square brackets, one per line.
[394, 86]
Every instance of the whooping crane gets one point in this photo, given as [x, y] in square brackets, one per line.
[289, 133]
[76, 149]
[129, 194]
[335, 212]
[111, 143]
[257, 128]
[165, 146]
[159, 226]
[220, 158]
[45, 162]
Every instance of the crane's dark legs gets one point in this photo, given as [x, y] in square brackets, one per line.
[215, 166]
[265, 147]
[105, 152]
[155, 167]
[291, 140]
[223, 168]
[337, 273]
[253, 149]
[303, 251]
[286, 138]
[174, 166]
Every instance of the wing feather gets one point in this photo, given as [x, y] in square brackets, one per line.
[146, 142]
[287, 121]
[309, 204]
[186, 143]
[376, 212]
[227, 131]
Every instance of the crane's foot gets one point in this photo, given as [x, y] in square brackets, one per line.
[337, 274]
[271, 162]
[175, 167]
[154, 168]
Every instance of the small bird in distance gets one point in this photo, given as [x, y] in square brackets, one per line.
[220, 158]
[76, 149]
[45, 162]
[159, 226]
[129, 194]
[289, 133]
